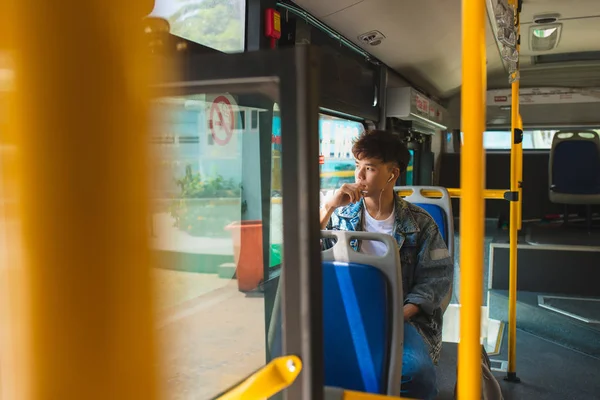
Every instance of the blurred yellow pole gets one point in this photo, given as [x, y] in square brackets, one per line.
[80, 129]
[472, 184]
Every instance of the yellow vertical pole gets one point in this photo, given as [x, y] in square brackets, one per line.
[472, 203]
[80, 129]
[514, 224]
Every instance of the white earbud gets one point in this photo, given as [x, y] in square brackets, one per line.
[391, 177]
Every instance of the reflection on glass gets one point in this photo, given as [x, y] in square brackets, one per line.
[206, 232]
[410, 168]
[218, 24]
[276, 210]
[336, 136]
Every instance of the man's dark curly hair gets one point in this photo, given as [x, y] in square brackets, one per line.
[382, 145]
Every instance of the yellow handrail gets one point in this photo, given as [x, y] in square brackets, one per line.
[268, 381]
[352, 395]
[515, 172]
[456, 193]
[80, 127]
[472, 184]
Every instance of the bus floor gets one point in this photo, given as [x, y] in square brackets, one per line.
[492, 233]
[547, 371]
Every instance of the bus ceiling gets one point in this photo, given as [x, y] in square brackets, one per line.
[560, 43]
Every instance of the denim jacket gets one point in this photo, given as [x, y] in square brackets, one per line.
[427, 268]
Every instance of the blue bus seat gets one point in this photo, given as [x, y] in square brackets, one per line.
[362, 314]
[439, 216]
[440, 210]
[356, 309]
[574, 168]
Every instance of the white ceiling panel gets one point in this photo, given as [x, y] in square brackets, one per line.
[423, 38]
[420, 44]
[567, 9]
[577, 35]
[323, 8]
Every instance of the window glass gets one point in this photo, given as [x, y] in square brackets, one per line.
[532, 139]
[336, 136]
[206, 235]
[218, 24]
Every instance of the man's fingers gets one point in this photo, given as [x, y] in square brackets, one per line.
[350, 193]
[354, 192]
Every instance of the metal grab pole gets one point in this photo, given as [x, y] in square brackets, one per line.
[472, 184]
[80, 125]
[515, 147]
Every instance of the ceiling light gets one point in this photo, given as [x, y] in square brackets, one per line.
[543, 33]
[544, 37]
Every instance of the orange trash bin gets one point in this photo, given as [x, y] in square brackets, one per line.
[247, 253]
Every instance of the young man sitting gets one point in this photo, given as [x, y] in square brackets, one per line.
[370, 204]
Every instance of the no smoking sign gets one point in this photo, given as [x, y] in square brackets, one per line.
[221, 120]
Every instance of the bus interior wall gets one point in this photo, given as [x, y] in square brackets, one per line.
[347, 78]
[536, 202]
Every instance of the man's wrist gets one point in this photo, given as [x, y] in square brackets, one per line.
[410, 310]
[328, 207]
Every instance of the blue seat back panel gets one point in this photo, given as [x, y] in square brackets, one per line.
[576, 168]
[357, 326]
[439, 216]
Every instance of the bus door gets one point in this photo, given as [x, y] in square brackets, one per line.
[218, 212]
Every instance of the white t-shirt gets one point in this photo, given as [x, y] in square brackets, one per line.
[370, 224]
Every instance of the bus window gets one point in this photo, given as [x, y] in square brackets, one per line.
[336, 136]
[218, 24]
[532, 139]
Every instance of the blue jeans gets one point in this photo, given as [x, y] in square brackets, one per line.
[418, 373]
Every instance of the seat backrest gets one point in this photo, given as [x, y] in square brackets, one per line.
[440, 209]
[574, 166]
[362, 315]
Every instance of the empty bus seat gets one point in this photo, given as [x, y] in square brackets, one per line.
[574, 168]
[362, 314]
[440, 210]
[363, 322]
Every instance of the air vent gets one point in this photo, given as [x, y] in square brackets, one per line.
[567, 57]
[373, 38]
[546, 18]
[544, 37]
